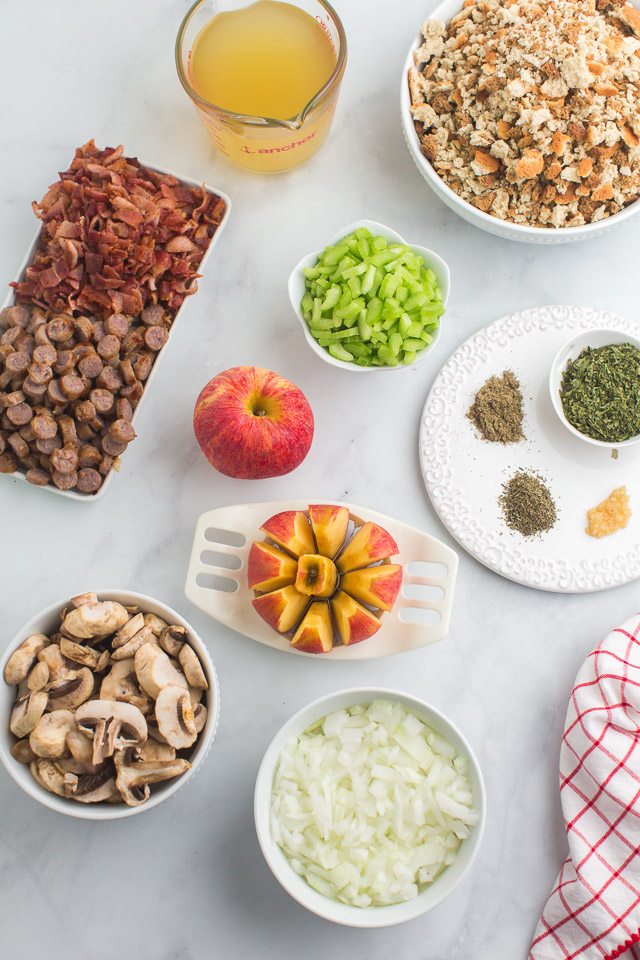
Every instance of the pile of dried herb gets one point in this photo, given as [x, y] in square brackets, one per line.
[497, 409]
[600, 392]
[527, 505]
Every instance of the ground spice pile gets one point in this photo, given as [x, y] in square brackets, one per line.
[497, 409]
[527, 505]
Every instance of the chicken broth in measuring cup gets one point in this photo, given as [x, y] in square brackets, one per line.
[264, 78]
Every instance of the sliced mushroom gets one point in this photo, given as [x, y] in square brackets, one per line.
[195, 695]
[121, 683]
[94, 619]
[174, 715]
[58, 666]
[52, 778]
[200, 717]
[154, 670]
[156, 623]
[192, 668]
[114, 725]
[80, 746]
[79, 654]
[130, 647]
[22, 752]
[89, 597]
[70, 692]
[38, 676]
[154, 733]
[172, 639]
[26, 713]
[22, 659]
[129, 630]
[104, 661]
[93, 787]
[152, 750]
[48, 737]
[133, 778]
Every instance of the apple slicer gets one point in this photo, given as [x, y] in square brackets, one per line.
[217, 580]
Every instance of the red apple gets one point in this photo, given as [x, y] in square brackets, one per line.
[354, 622]
[251, 423]
[282, 609]
[292, 531]
[377, 586]
[269, 568]
[368, 544]
[330, 526]
[315, 633]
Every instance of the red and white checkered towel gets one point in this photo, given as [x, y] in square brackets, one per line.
[593, 912]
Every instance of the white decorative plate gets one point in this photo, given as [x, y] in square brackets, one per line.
[464, 473]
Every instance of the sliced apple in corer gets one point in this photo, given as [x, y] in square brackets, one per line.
[353, 621]
[317, 576]
[282, 609]
[368, 544]
[269, 568]
[292, 531]
[330, 526]
[377, 586]
[315, 633]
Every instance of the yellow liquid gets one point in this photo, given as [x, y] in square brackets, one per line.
[266, 60]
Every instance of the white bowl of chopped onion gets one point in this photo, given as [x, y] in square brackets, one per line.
[369, 807]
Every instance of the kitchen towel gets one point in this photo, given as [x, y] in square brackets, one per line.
[593, 911]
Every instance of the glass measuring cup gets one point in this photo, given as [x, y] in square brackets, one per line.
[263, 143]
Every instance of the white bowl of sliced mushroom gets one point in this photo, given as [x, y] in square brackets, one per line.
[109, 705]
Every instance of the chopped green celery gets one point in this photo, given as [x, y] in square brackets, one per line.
[333, 337]
[311, 272]
[362, 233]
[416, 300]
[363, 361]
[401, 294]
[404, 324]
[322, 284]
[395, 342]
[338, 351]
[364, 329]
[353, 243]
[431, 276]
[377, 326]
[344, 264]
[391, 312]
[414, 330]
[374, 310]
[379, 259]
[355, 286]
[331, 299]
[368, 279]
[350, 321]
[323, 323]
[378, 337]
[322, 341]
[409, 357]
[307, 302]
[351, 310]
[363, 248]
[414, 345]
[389, 285]
[385, 353]
[332, 254]
[317, 310]
[354, 271]
[378, 244]
[360, 349]
[388, 323]
[345, 297]
[426, 337]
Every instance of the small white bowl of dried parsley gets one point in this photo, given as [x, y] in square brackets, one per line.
[594, 384]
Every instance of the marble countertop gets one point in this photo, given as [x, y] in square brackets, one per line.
[187, 880]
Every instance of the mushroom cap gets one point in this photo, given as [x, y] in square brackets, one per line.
[155, 670]
[48, 737]
[133, 777]
[22, 752]
[94, 619]
[69, 692]
[156, 623]
[26, 712]
[112, 721]
[52, 777]
[174, 715]
[129, 630]
[86, 656]
[22, 659]
[134, 643]
[172, 639]
[38, 676]
[192, 668]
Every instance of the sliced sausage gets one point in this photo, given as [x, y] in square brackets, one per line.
[90, 366]
[37, 476]
[102, 400]
[113, 447]
[40, 373]
[85, 411]
[44, 426]
[132, 391]
[142, 366]
[17, 363]
[109, 347]
[83, 329]
[155, 338]
[65, 362]
[67, 429]
[64, 460]
[20, 413]
[105, 464]
[61, 328]
[88, 456]
[89, 480]
[32, 389]
[45, 353]
[126, 369]
[64, 481]
[15, 316]
[109, 379]
[72, 386]
[55, 394]
[41, 335]
[152, 315]
[121, 431]
[27, 433]
[5, 379]
[48, 445]
[85, 432]
[124, 410]
[13, 398]
[133, 342]
[117, 325]
[12, 336]
[8, 462]
[19, 446]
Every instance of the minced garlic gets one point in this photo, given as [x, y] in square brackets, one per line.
[612, 514]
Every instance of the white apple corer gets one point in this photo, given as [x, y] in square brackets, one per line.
[217, 580]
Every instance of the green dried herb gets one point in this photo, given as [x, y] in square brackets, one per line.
[497, 409]
[600, 392]
[527, 505]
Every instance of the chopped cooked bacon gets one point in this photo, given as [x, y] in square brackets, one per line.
[116, 237]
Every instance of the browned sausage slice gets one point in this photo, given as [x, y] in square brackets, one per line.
[117, 325]
[90, 366]
[85, 412]
[60, 328]
[8, 462]
[12, 335]
[44, 426]
[109, 379]
[33, 390]
[37, 476]
[45, 353]
[19, 446]
[64, 481]
[17, 363]
[21, 413]
[89, 456]
[48, 445]
[132, 342]
[109, 347]
[155, 337]
[67, 428]
[64, 460]
[142, 366]
[72, 386]
[113, 447]
[105, 465]
[40, 373]
[83, 329]
[102, 400]
[126, 369]
[132, 391]
[55, 394]
[122, 431]
[152, 315]
[65, 363]
[13, 398]
[41, 335]
[15, 316]
[89, 480]
[124, 410]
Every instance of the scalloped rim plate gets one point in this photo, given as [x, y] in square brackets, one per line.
[464, 474]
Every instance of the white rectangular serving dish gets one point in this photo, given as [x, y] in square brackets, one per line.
[10, 299]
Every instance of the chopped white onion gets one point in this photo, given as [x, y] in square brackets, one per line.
[370, 804]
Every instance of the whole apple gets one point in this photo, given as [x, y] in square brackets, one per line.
[252, 423]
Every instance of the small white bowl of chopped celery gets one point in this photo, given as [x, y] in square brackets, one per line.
[369, 807]
[369, 301]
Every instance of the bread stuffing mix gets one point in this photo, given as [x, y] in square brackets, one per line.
[530, 110]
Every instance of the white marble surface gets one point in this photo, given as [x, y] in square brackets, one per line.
[187, 880]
